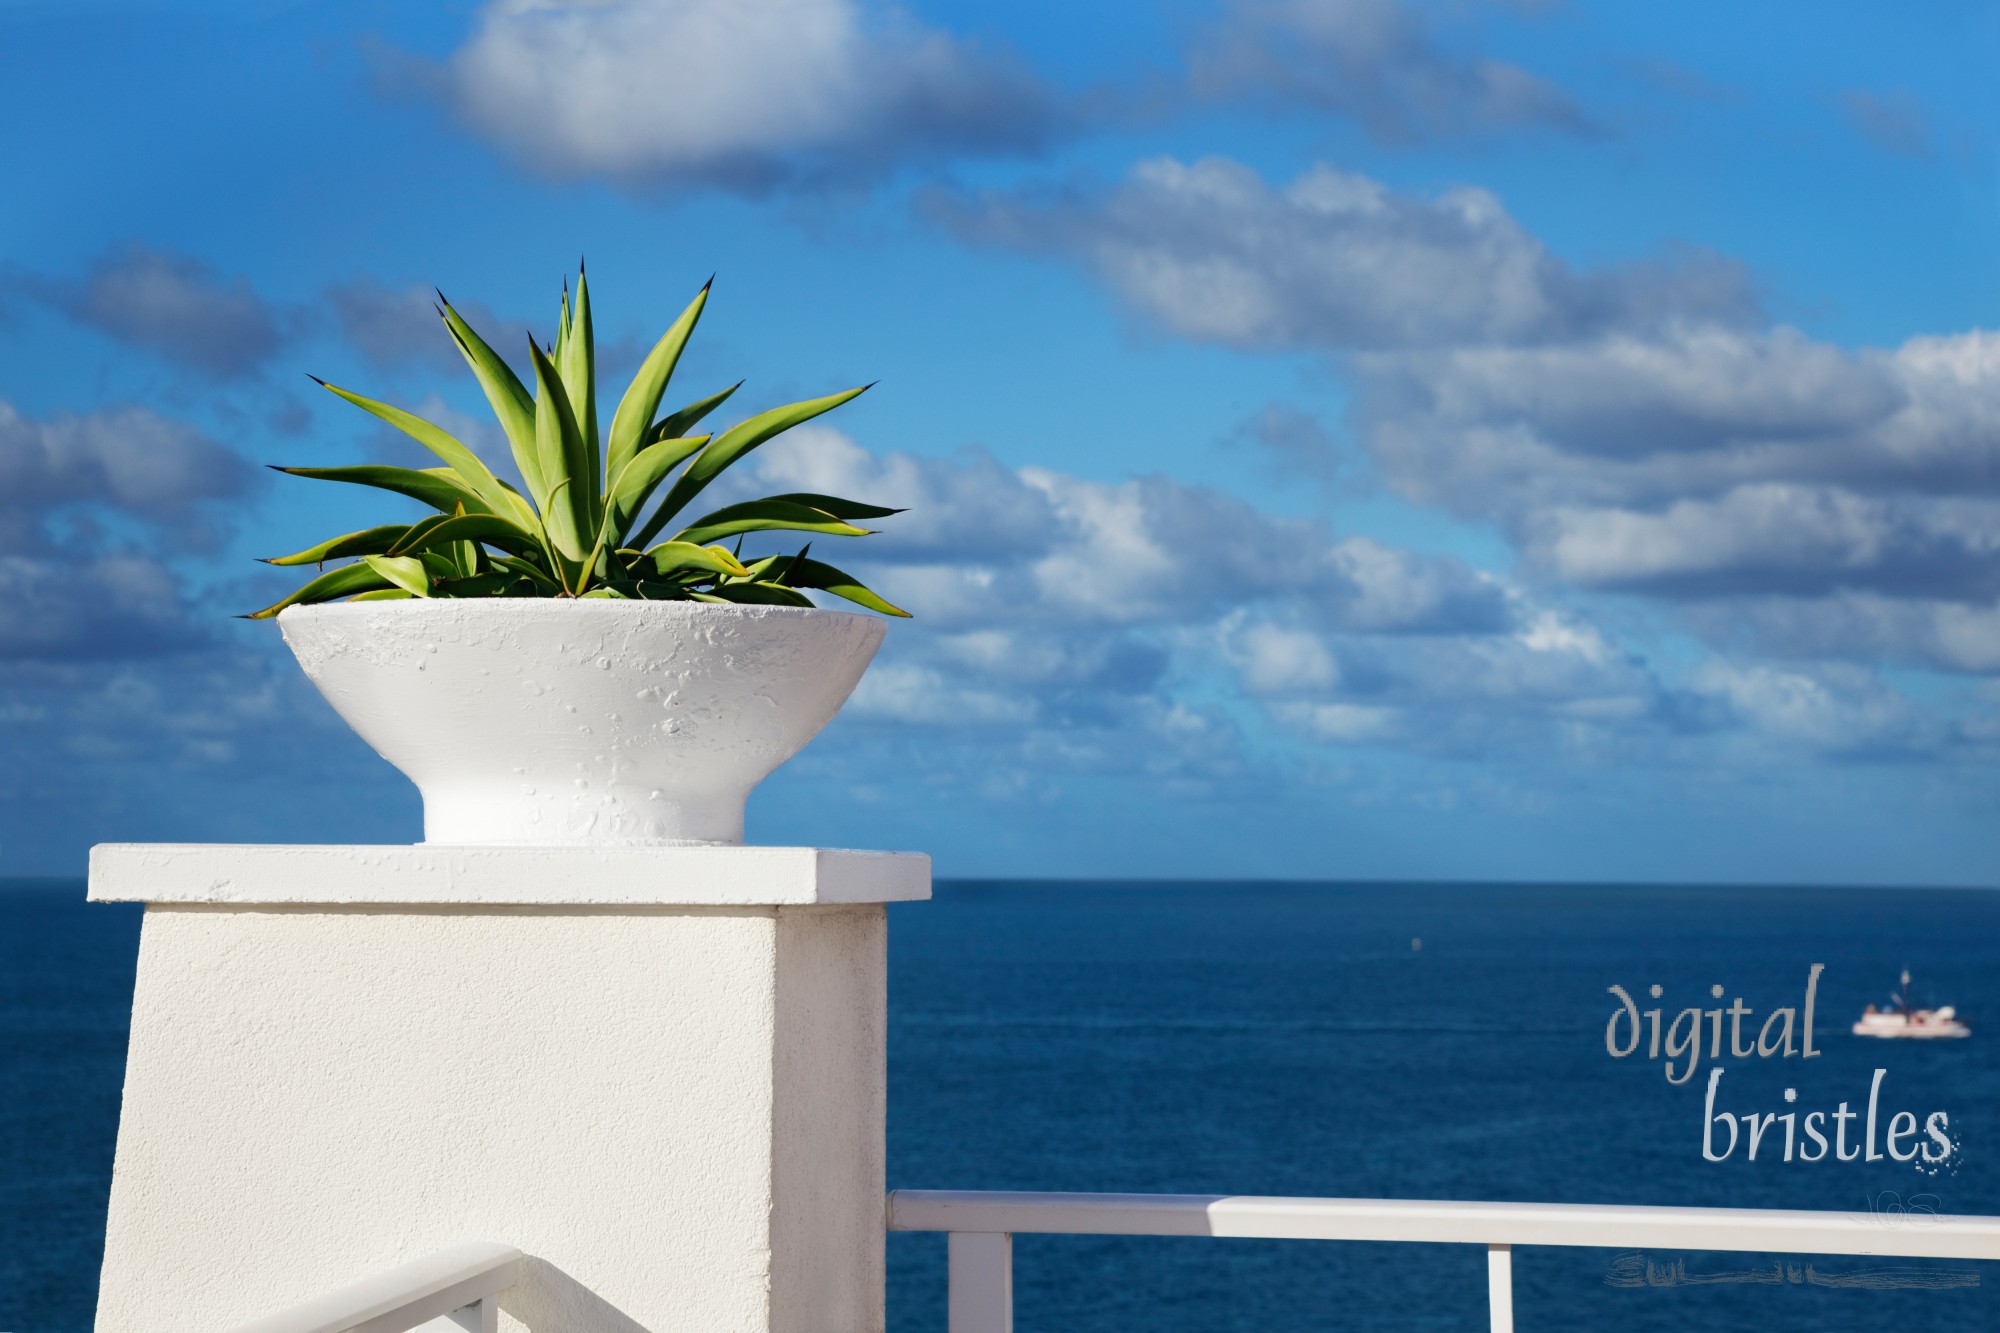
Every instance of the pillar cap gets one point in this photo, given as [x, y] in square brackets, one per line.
[254, 874]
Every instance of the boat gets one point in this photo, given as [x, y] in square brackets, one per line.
[1900, 1019]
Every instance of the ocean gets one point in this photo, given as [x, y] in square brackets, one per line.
[1370, 1040]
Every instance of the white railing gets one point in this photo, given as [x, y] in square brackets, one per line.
[982, 1227]
[457, 1286]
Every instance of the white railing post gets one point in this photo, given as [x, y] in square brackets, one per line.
[1500, 1286]
[482, 1316]
[981, 1298]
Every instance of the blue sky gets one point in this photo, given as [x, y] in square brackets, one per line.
[1343, 438]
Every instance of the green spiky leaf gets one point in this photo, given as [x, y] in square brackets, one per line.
[680, 423]
[509, 398]
[593, 505]
[836, 506]
[765, 516]
[577, 366]
[335, 583]
[637, 481]
[756, 594]
[804, 573]
[559, 446]
[406, 572]
[437, 487]
[504, 533]
[471, 472]
[631, 423]
[673, 557]
[731, 445]
[530, 571]
[369, 541]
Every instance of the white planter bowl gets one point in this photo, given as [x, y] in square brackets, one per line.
[525, 720]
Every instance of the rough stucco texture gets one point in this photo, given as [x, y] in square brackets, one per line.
[553, 720]
[676, 1112]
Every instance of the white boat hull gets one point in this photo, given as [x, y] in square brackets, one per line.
[1934, 1030]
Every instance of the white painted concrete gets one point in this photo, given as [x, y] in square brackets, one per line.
[536, 720]
[427, 873]
[674, 1110]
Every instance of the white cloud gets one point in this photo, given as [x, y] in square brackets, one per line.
[1092, 611]
[1376, 60]
[108, 606]
[1954, 636]
[1635, 428]
[1703, 463]
[175, 306]
[125, 461]
[1690, 410]
[1334, 261]
[1776, 535]
[742, 94]
[987, 541]
[1835, 709]
[1277, 659]
[87, 502]
[1340, 724]
[911, 693]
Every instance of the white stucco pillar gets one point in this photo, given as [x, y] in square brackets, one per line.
[658, 1072]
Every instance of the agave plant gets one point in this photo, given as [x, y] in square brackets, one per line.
[586, 526]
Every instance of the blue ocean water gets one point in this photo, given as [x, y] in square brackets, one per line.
[1262, 1039]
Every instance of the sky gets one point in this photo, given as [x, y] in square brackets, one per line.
[1341, 439]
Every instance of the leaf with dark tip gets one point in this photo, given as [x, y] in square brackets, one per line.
[758, 569]
[755, 594]
[838, 507]
[638, 479]
[504, 533]
[559, 446]
[529, 571]
[344, 581]
[433, 523]
[631, 422]
[439, 488]
[474, 473]
[731, 445]
[816, 574]
[510, 399]
[765, 516]
[577, 365]
[668, 557]
[681, 422]
[781, 568]
[369, 541]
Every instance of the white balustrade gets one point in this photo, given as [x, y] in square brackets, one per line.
[452, 1290]
[982, 1226]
